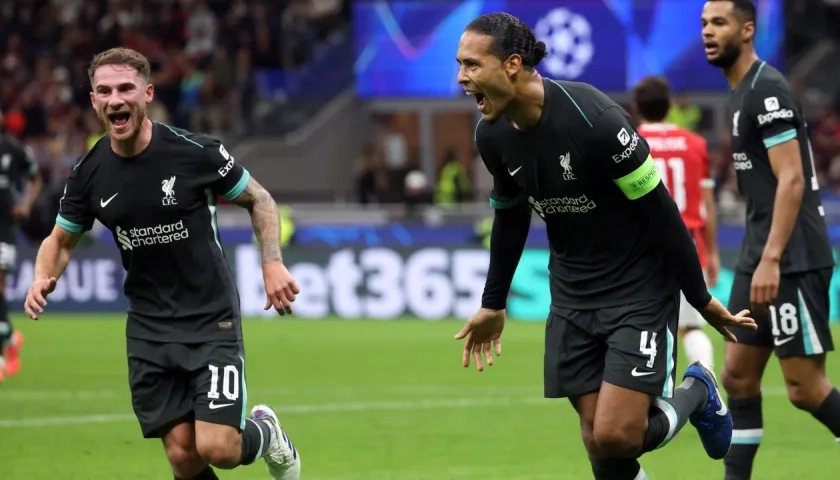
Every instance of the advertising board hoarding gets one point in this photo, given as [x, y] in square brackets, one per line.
[379, 283]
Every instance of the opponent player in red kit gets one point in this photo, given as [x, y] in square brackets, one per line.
[683, 162]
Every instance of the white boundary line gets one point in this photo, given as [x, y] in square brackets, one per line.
[27, 395]
[10, 395]
[344, 407]
[296, 409]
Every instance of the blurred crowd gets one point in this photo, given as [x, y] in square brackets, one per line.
[203, 54]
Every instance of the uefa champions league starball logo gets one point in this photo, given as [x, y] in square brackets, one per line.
[568, 37]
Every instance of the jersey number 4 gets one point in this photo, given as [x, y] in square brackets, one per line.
[647, 346]
[672, 172]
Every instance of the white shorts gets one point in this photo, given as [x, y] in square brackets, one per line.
[689, 317]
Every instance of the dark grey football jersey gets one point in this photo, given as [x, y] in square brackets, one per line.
[161, 208]
[765, 113]
[581, 168]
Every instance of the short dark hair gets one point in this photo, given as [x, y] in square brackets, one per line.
[745, 7]
[510, 37]
[652, 96]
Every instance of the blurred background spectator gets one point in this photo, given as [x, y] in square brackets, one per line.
[203, 55]
[275, 80]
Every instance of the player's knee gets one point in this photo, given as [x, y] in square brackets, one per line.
[587, 433]
[738, 383]
[220, 448]
[185, 461]
[805, 396]
[617, 442]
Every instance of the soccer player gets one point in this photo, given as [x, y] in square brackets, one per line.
[784, 268]
[155, 188]
[683, 163]
[17, 169]
[619, 253]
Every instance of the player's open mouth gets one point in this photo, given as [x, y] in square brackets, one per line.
[119, 119]
[711, 48]
[479, 100]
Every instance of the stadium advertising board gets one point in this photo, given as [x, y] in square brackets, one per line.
[380, 283]
[406, 48]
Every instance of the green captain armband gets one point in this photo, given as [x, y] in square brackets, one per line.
[640, 181]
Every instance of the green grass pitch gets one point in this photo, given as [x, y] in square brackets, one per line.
[362, 400]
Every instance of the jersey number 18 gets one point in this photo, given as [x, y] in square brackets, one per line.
[672, 172]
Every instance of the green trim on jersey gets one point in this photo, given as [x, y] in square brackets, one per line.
[239, 187]
[640, 181]
[244, 395]
[181, 135]
[497, 204]
[573, 101]
[71, 227]
[780, 138]
[757, 73]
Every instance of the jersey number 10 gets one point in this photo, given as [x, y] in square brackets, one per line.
[672, 172]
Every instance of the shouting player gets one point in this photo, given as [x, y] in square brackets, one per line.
[619, 253]
[17, 170]
[155, 188]
[784, 268]
[683, 163]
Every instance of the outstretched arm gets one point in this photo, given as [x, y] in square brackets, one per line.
[50, 263]
[632, 169]
[54, 253]
[263, 210]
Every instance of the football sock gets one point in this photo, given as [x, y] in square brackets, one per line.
[206, 474]
[669, 415]
[5, 323]
[698, 346]
[618, 469]
[255, 439]
[829, 413]
[747, 431]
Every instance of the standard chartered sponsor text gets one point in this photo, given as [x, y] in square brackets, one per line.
[552, 205]
[136, 237]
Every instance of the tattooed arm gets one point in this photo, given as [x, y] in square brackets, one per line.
[263, 210]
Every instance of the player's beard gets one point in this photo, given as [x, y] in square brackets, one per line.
[728, 55]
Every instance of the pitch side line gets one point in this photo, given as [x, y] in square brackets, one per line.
[320, 408]
[10, 395]
[295, 409]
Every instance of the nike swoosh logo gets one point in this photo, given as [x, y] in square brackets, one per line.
[723, 410]
[104, 203]
[779, 342]
[513, 172]
[637, 373]
[216, 406]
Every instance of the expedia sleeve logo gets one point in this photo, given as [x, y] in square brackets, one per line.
[229, 165]
[625, 138]
[783, 114]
